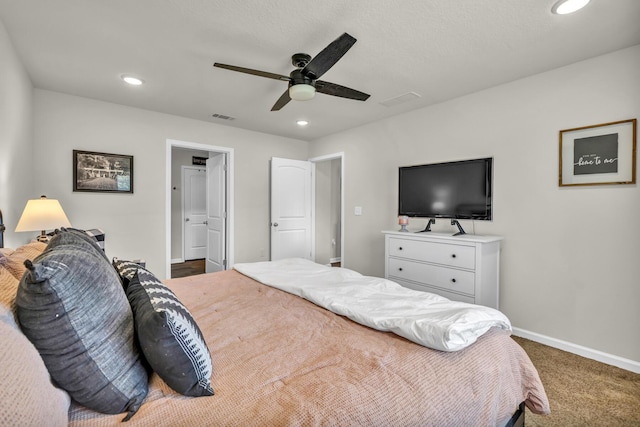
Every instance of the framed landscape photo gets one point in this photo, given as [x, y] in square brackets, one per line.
[102, 172]
[599, 154]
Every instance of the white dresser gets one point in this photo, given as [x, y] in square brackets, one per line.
[461, 268]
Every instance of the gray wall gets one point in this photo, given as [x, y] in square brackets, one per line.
[570, 257]
[16, 133]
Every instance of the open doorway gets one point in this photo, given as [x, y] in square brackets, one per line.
[328, 208]
[307, 209]
[193, 241]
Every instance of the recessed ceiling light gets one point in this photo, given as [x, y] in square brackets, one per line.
[134, 81]
[564, 7]
[302, 122]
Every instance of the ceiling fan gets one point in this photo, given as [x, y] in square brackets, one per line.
[303, 81]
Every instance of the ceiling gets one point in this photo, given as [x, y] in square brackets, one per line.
[438, 49]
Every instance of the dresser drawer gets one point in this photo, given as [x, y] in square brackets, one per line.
[443, 277]
[439, 253]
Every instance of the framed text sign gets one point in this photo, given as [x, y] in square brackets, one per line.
[599, 154]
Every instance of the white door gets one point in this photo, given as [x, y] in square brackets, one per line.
[195, 212]
[216, 214]
[291, 209]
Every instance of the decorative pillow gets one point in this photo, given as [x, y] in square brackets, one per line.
[15, 261]
[5, 252]
[8, 288]
[71, 306]
[126, 270]
[72, 236]
[27, 395]
[169, 337]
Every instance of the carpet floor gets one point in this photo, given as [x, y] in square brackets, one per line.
[581, 391]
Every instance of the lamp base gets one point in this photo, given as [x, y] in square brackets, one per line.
[43, 237]
[403, 228]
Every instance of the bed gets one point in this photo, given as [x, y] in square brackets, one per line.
[279, 359]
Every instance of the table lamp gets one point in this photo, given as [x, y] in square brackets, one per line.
[42, 214]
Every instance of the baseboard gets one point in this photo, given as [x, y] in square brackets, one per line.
[589, 353]
[177, 260]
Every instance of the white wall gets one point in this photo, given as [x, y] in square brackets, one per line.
[135, 223]
[16, 161]
[570, 259]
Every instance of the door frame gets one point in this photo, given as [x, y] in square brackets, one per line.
[230, 243]
[339, 155]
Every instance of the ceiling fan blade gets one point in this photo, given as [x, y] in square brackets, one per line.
[341, 91]
[321, 63]
[253, 72]
[282, 101]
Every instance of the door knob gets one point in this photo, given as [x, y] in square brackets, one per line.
[275, 224]
[186, 220]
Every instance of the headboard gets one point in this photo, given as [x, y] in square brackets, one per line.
[2, 228]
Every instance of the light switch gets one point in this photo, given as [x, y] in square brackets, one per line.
[358, 210]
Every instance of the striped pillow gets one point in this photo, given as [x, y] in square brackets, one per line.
[169, 337]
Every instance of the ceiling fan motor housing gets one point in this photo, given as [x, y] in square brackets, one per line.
[297, 78]
[300, 60]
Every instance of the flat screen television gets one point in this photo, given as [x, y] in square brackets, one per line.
[456, 190]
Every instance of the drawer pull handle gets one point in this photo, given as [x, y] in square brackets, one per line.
[453, 280]
[400, 269]
[400, 248]
[453, 255]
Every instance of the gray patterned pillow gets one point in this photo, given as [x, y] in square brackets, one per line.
[71, 306]
[79, 238]
[169, 337]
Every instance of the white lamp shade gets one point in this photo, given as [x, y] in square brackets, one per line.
[42, 214]
[301, 92]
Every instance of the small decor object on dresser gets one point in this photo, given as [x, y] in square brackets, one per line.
[102, 172]
[403, 221]
[599, 154]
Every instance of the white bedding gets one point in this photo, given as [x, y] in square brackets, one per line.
[424, 318]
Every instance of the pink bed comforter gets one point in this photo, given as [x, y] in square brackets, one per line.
[279, 360]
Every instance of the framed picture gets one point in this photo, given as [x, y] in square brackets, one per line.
[599, 154]
[102, 172]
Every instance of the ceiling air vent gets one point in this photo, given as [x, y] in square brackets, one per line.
[410, 96]
[222, 117]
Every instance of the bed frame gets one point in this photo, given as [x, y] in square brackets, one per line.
[517, 420]
[2, 228]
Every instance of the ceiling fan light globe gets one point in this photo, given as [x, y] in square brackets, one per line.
[302, 92]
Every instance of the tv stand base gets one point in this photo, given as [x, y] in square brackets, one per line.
[428, 227]
[460, 229]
